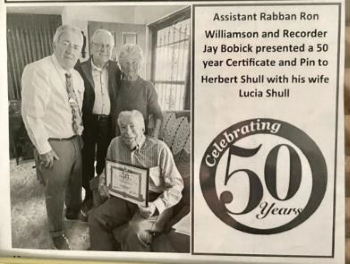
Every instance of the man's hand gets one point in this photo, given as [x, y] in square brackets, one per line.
[47, 159]
[147, 212]
[102, 188]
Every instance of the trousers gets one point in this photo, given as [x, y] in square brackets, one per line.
[121, 218]
[96, 136]
[62, 182]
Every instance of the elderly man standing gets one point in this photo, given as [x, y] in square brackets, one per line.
[52, 95]
[101, 77]
[165, 187]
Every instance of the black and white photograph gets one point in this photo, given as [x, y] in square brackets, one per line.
[89, 85]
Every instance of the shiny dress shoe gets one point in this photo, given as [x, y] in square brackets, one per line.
[61, 242]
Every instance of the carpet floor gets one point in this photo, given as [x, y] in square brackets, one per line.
[28, 213]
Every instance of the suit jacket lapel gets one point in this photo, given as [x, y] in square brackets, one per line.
[88, 72]
[111, 80]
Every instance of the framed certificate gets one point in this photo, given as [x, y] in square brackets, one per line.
[127, 182]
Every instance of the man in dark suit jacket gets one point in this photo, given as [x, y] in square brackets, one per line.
[101, 79]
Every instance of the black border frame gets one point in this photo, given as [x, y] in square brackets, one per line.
[339, 4]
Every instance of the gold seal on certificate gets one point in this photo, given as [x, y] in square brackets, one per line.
[127, 182]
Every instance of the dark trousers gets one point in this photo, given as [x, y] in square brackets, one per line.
[97, 136]
[62, 182]
[121, 218]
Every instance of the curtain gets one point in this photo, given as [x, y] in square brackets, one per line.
[29, 38]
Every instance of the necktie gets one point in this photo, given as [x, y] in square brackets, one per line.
[73, 103]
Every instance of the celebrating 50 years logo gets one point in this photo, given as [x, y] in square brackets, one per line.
[263, 176]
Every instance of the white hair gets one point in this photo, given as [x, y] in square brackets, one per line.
[67, 28]
[138, 117]
[99, 31]
[129, 51]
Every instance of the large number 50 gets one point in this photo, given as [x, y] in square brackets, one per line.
[255, 186]
[300, 141]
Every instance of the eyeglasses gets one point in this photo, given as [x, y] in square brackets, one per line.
[101, 45]
[67, 45]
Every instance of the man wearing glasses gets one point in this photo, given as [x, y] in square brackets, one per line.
[52, 97]
[101, 79]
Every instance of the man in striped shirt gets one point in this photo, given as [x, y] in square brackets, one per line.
[165, 186]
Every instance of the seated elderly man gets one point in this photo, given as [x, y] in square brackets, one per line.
[165, 186]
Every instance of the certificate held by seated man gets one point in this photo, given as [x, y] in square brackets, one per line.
[142, 165]
[128, 182]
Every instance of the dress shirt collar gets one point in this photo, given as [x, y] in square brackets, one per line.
[95, 68]
[58, 67]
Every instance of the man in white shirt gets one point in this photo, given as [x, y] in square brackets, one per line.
[52, 95]
[101, 77]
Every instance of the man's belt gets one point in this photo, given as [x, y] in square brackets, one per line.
[63, 139]
[101, 117]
